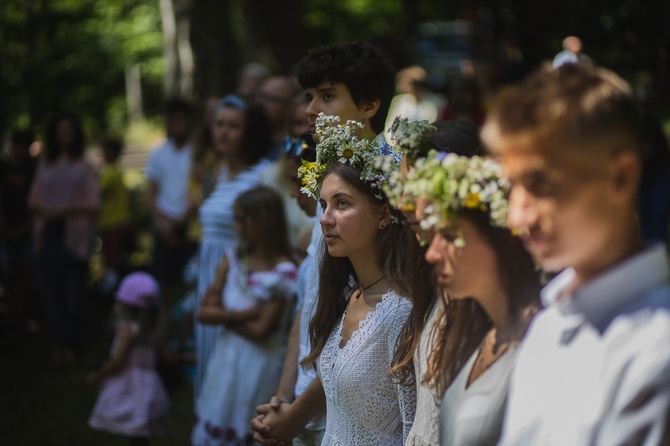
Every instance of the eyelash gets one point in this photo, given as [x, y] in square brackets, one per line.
[340, 204]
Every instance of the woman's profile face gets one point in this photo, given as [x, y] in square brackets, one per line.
[466, 271]
[228, 131]
[350, 223]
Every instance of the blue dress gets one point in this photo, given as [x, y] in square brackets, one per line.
[218, 234]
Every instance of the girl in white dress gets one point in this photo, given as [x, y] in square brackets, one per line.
[364, 298]
[259, 284]
[493, 290]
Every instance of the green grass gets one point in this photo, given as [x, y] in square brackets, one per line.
[42, 404]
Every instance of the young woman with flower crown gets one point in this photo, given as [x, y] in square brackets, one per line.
[492, 286]
[414, 139]
[365, 294]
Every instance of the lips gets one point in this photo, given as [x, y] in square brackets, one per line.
[443, 279]
[330, 238]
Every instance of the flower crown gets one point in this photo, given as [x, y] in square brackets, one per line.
[452, 183]
[342, 143]
[412, 137]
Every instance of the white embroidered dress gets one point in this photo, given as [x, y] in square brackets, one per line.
[363, 405]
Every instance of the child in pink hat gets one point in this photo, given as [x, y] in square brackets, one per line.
[132, 400]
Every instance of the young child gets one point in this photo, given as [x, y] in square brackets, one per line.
[258, 281]
[132, 400]
[114, 218]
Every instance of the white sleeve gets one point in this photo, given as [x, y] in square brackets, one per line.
[639, 397]
[405, 392]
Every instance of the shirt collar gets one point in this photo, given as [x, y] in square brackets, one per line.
[603, 298]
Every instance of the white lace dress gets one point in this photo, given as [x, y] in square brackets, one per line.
[363, 405]
[425, 430]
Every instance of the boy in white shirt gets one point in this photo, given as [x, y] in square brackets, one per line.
[594, 367]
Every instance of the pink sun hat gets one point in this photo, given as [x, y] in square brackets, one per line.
[138, 290]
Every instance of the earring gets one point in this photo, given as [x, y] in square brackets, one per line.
[382, 226]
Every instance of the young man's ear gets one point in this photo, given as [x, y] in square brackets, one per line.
[369, 107]
[625, 170]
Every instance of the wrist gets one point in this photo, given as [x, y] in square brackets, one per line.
[231, 318]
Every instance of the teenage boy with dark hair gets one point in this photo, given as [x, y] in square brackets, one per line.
[594, 368]
[355, 82]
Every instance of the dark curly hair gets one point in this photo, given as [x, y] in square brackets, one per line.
[360, 66]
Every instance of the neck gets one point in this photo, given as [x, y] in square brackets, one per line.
[366, 269]
[235, 165]
[624, 241]
[495, 307]
[179, 143]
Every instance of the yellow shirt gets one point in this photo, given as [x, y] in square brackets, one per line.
[115, 209]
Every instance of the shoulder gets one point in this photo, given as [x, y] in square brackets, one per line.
[394, 306]
[286, 269]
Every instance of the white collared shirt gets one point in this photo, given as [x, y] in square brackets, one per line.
[590, 370]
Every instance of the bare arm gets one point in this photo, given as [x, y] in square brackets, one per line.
[114, 364]
[257, 328]
[289, 373]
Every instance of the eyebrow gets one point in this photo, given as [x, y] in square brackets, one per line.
[337, 195]
[325, 89]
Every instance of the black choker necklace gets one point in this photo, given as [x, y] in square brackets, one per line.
[360, 290]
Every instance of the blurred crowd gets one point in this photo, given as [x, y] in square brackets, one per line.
[229, 229]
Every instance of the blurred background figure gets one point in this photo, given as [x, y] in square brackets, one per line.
[132, 401]
[17, 170]
[251, 77]
[274, 96]
[414, 100]
[465, 102]
[64, 201]
[241, 135]
[168, 171]
[295, 121]
[572, 52]
[114, 221]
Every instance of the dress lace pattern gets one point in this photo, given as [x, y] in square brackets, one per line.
[364, 405]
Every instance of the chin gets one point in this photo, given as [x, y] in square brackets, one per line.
[552, 263]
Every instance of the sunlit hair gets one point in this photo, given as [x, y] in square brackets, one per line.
[265, 207]
[396, 249]
[576, 106]
[463, 324]
[53, 148]
[367, 74]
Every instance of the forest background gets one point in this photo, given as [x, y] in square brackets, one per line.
[114, 61]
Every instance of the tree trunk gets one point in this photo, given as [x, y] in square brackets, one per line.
[134, 93]
[184, 49]
[216, 56]
[170, 47]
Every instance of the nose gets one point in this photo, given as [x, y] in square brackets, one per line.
[311, 112]
[434, 254]
[522, 213]
[326, 218]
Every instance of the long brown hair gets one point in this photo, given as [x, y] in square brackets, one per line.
[463, 324]
[396, 249]
[265, 206]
